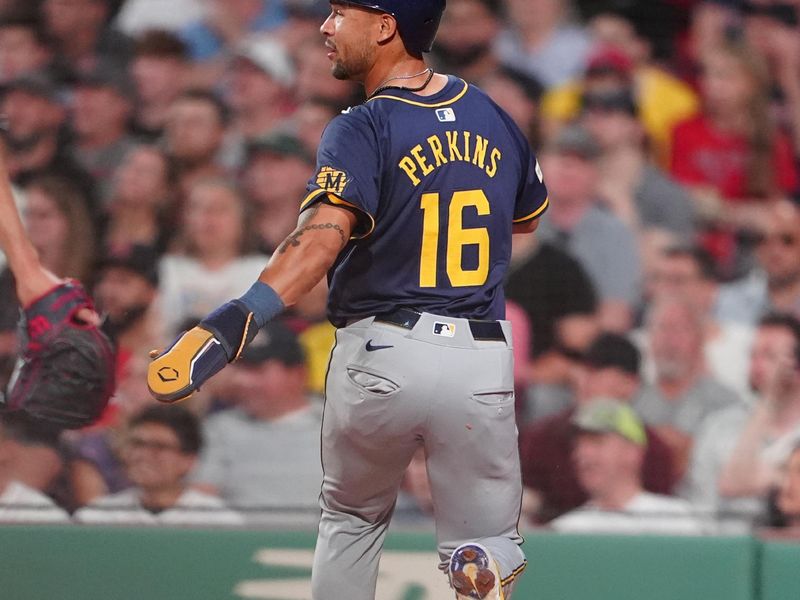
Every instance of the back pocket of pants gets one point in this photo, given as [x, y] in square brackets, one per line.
[494, 398]
[371, 382]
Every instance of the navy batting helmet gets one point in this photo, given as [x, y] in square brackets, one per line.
[417, 20]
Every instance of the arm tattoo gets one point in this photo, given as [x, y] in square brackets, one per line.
[294, 238]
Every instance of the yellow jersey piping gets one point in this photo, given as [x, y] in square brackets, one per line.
[423, 104]
[333, 199]
[535, 213]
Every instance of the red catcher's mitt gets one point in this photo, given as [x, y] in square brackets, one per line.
[65, 375]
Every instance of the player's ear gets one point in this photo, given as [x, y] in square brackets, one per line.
[388, 28]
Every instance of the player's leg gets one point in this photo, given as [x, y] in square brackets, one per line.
[473, 463]
[367, 443]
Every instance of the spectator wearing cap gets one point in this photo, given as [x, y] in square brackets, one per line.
[603, 244]
[683, 393]
[159, 451]
[142, 206]
[102, 107]
[194, 134]
[540, 40]
[609, 451]
[622, 59]
[82, 35]
[28, 464]
[160, 70]
[35, 136]
[126, 288]
[24, 47]
[258, 87]
[631, 185]
[246, 460]
[610, 367]
[277, 168]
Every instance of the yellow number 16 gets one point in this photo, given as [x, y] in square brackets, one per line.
[457, 238]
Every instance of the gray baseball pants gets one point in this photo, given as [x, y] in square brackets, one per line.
[389, 390]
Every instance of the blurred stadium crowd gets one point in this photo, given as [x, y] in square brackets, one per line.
[159, 150]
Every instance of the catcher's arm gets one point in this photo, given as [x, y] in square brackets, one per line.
[32, 279]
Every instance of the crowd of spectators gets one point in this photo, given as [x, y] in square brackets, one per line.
[159, 152]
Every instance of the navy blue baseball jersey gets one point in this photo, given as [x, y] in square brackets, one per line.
[437, 182]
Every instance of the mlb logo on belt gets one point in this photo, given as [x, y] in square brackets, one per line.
[446, 115]
[444, 329]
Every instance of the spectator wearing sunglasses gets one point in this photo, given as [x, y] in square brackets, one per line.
[773, 284]
[631, 184]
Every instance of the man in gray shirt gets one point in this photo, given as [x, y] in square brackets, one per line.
[604, 246]
[265, 452]
[682, 393]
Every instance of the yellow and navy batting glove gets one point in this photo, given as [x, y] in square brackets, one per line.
[200, 353]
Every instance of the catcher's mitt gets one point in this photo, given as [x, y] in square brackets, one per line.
[65, 375]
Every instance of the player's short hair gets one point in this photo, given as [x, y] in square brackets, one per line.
[183, 423]
[209, 97]
[160, 43]
[787, 322]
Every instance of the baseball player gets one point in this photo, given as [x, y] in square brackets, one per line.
[65, 375]
[410, 213]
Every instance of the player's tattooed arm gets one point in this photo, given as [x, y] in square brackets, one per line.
[293, 240]
[309, 251]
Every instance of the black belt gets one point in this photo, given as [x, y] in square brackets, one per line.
[481, 330]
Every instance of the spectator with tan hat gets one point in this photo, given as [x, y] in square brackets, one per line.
[610, 443]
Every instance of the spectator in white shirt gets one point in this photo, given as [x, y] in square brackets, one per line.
[25, 453]
[609, 449]
[784, 499]
[160, 450]
[772, 428]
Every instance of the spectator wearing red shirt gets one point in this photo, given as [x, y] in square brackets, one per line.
[610, 369]
[732, 155]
